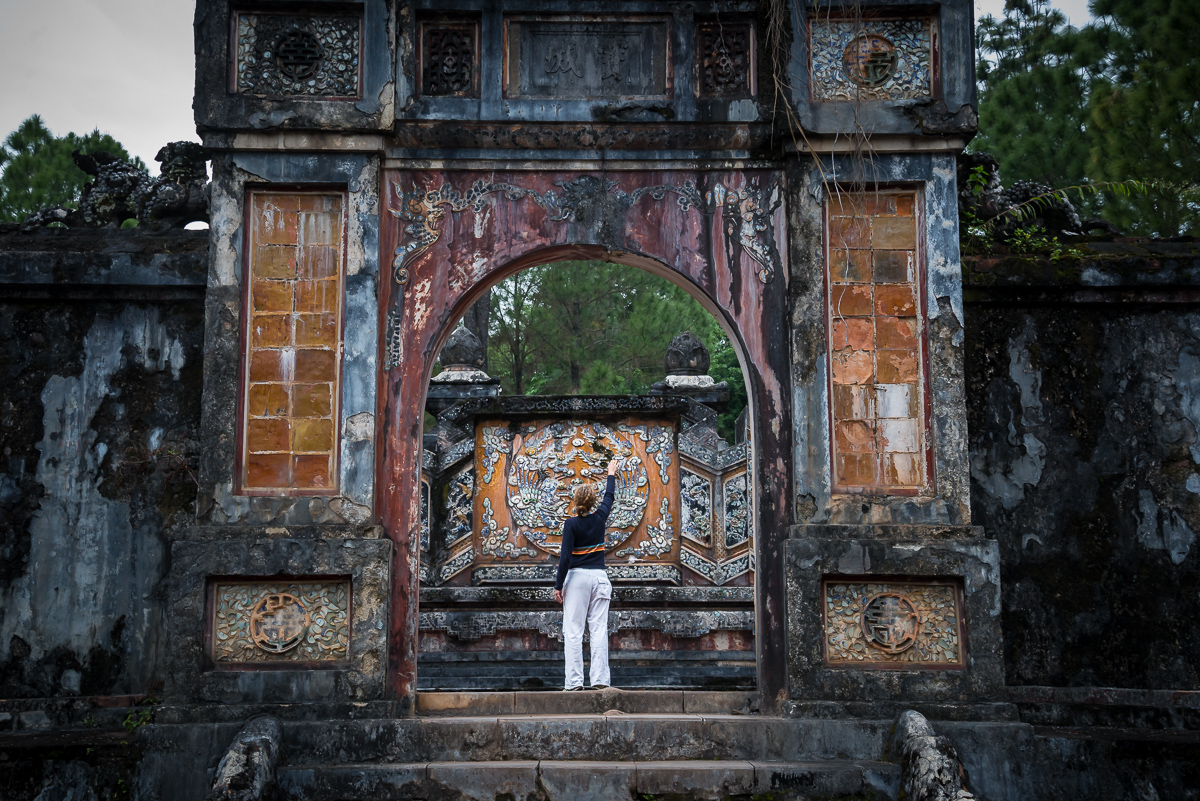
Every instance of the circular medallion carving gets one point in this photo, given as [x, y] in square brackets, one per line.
[298, 54]
[890, 621]
[278, 622]
[869, 60]
[550, 461]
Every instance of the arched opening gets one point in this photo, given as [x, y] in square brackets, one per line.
[452, 234]
[540, 372]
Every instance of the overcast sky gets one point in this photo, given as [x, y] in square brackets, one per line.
[125, 66]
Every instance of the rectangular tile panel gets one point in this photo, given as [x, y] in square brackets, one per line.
[876, 344]
[293, 332]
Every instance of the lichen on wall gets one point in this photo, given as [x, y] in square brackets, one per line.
[102, 439]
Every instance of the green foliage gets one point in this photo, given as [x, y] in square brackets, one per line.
[36, 169]
[1031, 95]
[595, 328]
[1108, 104]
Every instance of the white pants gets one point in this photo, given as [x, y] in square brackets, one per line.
[586, 594]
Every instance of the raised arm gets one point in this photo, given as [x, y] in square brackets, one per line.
[610, 489]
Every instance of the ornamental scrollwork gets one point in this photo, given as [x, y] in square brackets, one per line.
[746, 211]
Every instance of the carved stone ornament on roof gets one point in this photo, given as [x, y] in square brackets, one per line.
[589, 200]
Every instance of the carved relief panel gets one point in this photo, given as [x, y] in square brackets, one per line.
[725, 59]
[526, 473]
[872, 59]
[278, 623]
[449, 59]
[570, 58]
[887, 624]
[288, 55]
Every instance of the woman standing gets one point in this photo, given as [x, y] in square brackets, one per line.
[584, 582]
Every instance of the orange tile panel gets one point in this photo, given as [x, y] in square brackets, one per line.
[312, 435]
[269, 434]
[317, 296]
[851, 300]
[275, 262]
[854, 436]
[852, 367]
[311, 400]
[850, 266]
[316, 329]
[896, 332]
[853, 402]
[856, 333]
[271, 296]
[905, 204]
[268, 470]
[895, 301]
[857, 204]
[849, 232]
[271, 365]
[311, 470]
[896, 366]
[892, 266]
[276, 227]
[268, 400]
[316, 262]
[856, 469]
[270, 330]
[315, 365]
[893, 233]
[901, 470]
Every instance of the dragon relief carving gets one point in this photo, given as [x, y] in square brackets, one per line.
[591, 200]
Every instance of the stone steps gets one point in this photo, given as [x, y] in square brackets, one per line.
[614, 737]
[580, 780]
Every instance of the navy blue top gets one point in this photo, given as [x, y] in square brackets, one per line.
[583, 537]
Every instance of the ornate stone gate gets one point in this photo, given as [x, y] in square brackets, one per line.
[454, 234]
[378, 165]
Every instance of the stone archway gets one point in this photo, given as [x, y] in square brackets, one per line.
[451, 235]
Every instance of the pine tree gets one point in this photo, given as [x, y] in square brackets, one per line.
[37, 169]
[1145, 110]
[1032, 95]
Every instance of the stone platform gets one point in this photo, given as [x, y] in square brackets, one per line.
[608, 744]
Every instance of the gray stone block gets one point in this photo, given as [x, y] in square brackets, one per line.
[588, 781]
[698, 780]
[486, 781]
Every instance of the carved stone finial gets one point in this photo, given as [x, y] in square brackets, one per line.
[463, 351]
[686, 355]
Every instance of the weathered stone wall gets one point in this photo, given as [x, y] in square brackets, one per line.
[100, 362]
[1083, 391]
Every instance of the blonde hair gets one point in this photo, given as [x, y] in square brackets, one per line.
[583, 500]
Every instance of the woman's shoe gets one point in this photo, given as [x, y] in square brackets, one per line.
[601, 686]
[572, 689]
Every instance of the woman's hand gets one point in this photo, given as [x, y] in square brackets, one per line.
[558, 596]
[612, 467]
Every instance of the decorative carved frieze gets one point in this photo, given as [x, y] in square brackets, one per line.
[279, 621]
[289, 55]
[736, 511]
[449, 59]
[914, 624]
[725, 59]
[871, 59]
[523, 574]
[473, 625]
[588, 60]
[587, 200]
[695, 507]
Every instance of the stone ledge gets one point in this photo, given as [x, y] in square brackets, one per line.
[902, 532]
